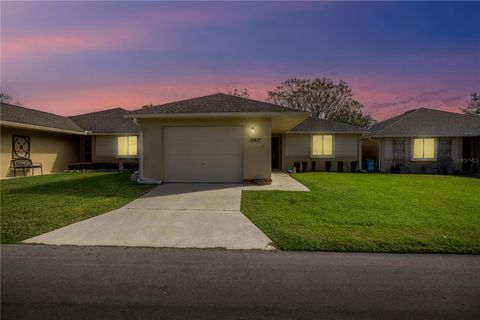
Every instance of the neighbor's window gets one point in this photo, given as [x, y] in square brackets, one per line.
[424, 148]
[322, 145]
[127, 146]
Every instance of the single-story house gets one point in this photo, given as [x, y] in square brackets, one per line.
[425, 141]
[224, 138]
[44, 137]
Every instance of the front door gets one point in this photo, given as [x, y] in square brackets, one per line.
[276, 152]
[87, 151]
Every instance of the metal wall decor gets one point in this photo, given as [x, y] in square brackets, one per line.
[20, 147]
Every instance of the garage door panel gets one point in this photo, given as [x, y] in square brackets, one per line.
[197, 146]
[203, 154]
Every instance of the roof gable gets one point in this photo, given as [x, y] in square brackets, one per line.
[215, 103]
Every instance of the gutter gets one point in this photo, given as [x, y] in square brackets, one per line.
[40, 128]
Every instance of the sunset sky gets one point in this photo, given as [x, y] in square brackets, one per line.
[76, 57]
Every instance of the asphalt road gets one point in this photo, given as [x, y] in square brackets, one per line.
[48, 282]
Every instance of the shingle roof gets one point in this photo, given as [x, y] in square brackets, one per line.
[13, 113]
[215, 103]
[321, 125]
[428, 122]
[106, 121]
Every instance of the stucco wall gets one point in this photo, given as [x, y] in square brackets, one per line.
[256, 155]
[55, 151]
[297, 149]
[387, 161]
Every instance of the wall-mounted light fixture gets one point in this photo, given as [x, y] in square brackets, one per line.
[252, 129]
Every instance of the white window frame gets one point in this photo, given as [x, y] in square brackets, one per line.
[435, 150]
[127, 156]
[323, 155]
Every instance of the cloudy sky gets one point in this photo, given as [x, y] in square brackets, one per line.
[75, 57]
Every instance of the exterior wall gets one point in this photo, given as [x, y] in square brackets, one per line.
[104, 149]
[386, 158]
[54, 150]
[296, 148]
[256, 155]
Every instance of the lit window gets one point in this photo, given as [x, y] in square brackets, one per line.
[322, 145]
[127, 146]
[424, 148]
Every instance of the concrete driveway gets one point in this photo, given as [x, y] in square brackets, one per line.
[174, 215]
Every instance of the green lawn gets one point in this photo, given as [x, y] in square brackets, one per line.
[371, 213]
[34, 205]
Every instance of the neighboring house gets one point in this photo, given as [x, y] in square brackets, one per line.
[110, 138]
[427, 140]
[57, 141]
[44, 137]
[224, 138]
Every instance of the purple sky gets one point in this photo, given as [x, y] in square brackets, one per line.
[75, 57]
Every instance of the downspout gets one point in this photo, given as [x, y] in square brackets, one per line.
[141, 178]
[360, 154]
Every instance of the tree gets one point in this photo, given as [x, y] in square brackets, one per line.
[242, 94]
[147, 106]
[322, 98]
[472, 106]
[5, 98]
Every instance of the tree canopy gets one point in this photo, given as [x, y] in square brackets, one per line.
[472, 105]
[323, 99]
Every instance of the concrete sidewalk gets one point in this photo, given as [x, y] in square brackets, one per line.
[174, 215]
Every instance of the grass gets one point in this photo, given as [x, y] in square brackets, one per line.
[34, 205]
[371, 213]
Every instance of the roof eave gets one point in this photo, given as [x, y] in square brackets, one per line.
[426, 135]
[39, 128]
[327, 131]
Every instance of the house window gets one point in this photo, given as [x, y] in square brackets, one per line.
[322, 145]
[127, 146]
[424, 149]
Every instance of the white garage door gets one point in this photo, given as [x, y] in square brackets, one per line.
[203, 154]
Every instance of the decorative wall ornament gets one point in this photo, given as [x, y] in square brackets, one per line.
[20, 147]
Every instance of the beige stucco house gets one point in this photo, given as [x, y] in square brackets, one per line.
[224, 138]
[105, 138]
[215, 138]
[426, 141]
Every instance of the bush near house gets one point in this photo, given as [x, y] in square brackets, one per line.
[371, 213]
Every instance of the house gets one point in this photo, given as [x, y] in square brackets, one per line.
[224, 138]
[425, 141]
[44, 137]
[105, 138]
